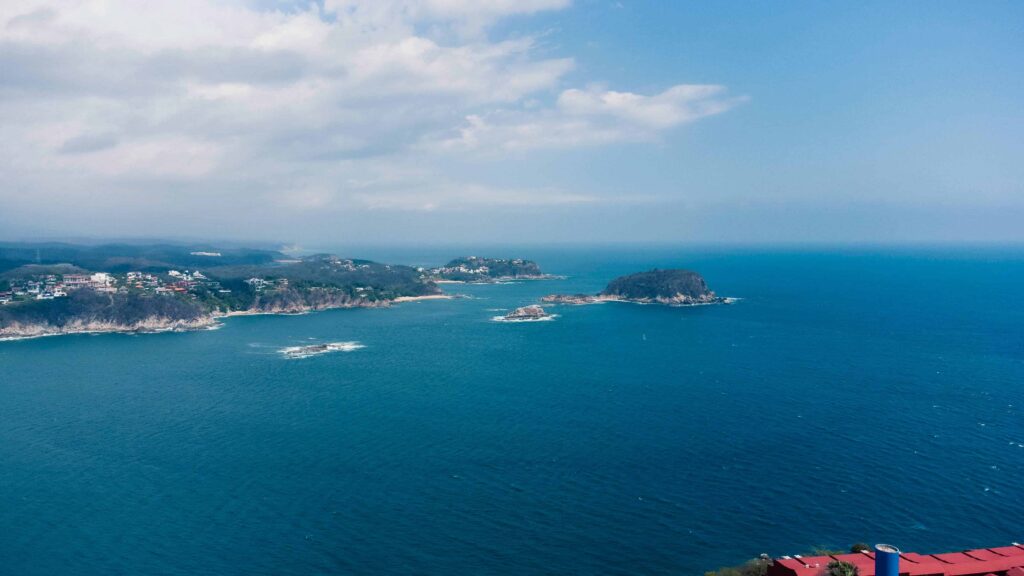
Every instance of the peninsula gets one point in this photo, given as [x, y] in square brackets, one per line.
[669, 287]
[55, 289]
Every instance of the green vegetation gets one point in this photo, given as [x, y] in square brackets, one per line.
[822, 551]
[759, 566]
[658, 284]
[161, 283]
[91, 306]
[378, 281]
[124, 257]
[754, 567]
[28, 270]
[840, 568]
[860, 547]
[477, 269]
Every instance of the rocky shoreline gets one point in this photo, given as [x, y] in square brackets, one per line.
[148, 326]
[677, 300]
[502, 279]
[531, 313]
[673, 287]
[157, 324]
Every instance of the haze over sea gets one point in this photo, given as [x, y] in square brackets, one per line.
[851, 395]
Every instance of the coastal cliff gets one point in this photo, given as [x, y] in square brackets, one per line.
[88, 312]
[112, 319]
[309, 300]
[151, 324]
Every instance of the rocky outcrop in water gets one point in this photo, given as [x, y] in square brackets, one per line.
[533, 312]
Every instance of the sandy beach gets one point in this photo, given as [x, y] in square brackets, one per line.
[418, 298]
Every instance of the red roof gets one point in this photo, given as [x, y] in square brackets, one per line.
[1003, 561]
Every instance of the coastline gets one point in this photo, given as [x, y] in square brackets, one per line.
[401, 299]
[586, 300]
[501, 279]
[209, 321]
[149, 326]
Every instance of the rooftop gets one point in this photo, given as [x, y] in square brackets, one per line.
[1005, 560]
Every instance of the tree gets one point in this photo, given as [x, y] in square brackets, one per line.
[840, 568]
[860, 547]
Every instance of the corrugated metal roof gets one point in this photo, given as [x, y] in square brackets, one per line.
[1001, 561]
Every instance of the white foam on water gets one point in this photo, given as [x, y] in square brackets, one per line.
[514, 320]
[299, 352]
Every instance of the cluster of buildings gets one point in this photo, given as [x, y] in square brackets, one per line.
[470, 265]
[482, 267]
[52, 286]
[262, 284]
[184, 282]
[340, 263]
[481, 270]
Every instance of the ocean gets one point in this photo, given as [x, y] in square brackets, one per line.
[868, 394]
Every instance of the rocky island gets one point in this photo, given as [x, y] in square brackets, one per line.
[475, 269]
[669, 287]
[532, 313]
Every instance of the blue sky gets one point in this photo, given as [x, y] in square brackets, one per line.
[535, 121]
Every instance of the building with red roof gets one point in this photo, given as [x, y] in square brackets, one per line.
[1002, 561]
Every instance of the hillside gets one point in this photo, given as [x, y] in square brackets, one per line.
[477, 269]
[150, 288]
[671, 287]
[123, 257]
[658, 284]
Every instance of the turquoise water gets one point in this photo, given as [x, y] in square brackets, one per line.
[851, 395]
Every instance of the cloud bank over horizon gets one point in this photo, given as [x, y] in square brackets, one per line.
[341, 107]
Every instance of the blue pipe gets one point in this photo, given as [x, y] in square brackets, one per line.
[887, 560]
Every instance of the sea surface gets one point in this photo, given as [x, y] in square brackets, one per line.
[851, 395]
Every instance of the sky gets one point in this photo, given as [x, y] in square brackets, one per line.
[526, 121]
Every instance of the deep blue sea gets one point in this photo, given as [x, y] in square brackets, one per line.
[851, 395]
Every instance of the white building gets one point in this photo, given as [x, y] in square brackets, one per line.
[101, 279]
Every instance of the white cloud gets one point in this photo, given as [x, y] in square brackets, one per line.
[121, 96]
[463, 16]
[592, 117]
[677, 105]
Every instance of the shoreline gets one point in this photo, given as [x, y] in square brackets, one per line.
[560, 300]
[204, 323]
[502, 279]
[210, 321]
[401, 299]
